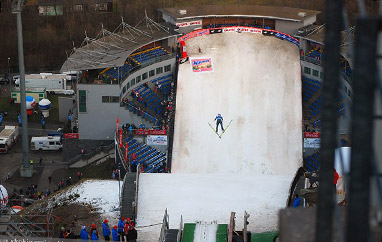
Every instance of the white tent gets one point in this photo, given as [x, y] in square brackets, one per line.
[3, 196]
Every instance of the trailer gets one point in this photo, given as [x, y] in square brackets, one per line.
[46, 143]
[54, 83]
[8, 137]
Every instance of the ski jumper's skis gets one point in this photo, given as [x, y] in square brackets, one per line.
[220, 136]
[214, 130]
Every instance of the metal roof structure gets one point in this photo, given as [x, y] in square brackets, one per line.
[111, 49]
[238, 10]
[316, 33]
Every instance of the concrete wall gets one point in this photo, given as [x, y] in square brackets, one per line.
[310, 20]
[288, 27]
[98, 123]
[64, 105]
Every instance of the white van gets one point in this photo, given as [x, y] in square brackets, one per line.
[46, 143]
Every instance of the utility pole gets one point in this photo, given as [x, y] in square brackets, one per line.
[26, 169]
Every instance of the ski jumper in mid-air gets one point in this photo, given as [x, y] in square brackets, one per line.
[219, 120]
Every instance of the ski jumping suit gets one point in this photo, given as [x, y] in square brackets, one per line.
[219, 120]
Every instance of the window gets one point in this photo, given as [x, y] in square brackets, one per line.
[167, 68]
[315, 73]
[307, 70]
[159, 70]
[101, 6]
[52, 143]
[132, 82]
[144, 76]
[114, 99]
[40, 95]
[78, 7]
[152, 73]
[138, 79]
[105, 99]
[110, 99]
[82, 101]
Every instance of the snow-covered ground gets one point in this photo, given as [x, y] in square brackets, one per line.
[101, 194]
[256, 83]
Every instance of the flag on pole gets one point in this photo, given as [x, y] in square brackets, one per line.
[120, 138]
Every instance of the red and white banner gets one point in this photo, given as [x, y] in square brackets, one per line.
[196, 33]
[158, 132]
[242, 29]
[187, 24]
[150, 132]
[312, 135]
[71, 136]
[120, 138]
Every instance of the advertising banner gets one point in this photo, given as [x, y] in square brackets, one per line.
[158, 132]
[201, 64]
[193, 34]
[312, 143]
[71, 136]
[187, 24]
[142, 132]
[148, 132]
[157, 140]
[312, 135]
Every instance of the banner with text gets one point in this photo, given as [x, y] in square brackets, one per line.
[312, 143]
[312, 135]
[187, 24]
[71, 136]
[157, 140]
[202, 64]
[148, 132]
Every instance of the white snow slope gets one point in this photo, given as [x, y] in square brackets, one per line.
[256, 83]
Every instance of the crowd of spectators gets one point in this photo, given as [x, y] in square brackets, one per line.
[123, 231]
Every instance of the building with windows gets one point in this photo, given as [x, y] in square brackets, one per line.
[112, 65]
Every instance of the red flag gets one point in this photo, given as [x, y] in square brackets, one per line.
[126, 151]
[120, 138]
[117, 125]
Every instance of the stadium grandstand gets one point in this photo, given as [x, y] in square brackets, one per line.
[133, 76]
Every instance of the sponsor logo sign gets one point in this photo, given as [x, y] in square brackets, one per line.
[312, 143]
[202, 64]
[150, 132]
[312, 135]
[157, 140]
[71, 136]
[187, 24]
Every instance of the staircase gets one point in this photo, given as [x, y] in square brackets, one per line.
[128, 196]
[14, 225]
[171, 235]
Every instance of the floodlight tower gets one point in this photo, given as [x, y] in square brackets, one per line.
[26, 170]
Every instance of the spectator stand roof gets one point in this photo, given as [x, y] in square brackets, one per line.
[316, 33]
[111, 49]
[239, 10]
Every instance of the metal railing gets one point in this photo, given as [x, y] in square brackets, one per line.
[91, 153]
[310, 59]
[135, 205]
[165, 227]
[179, 236]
